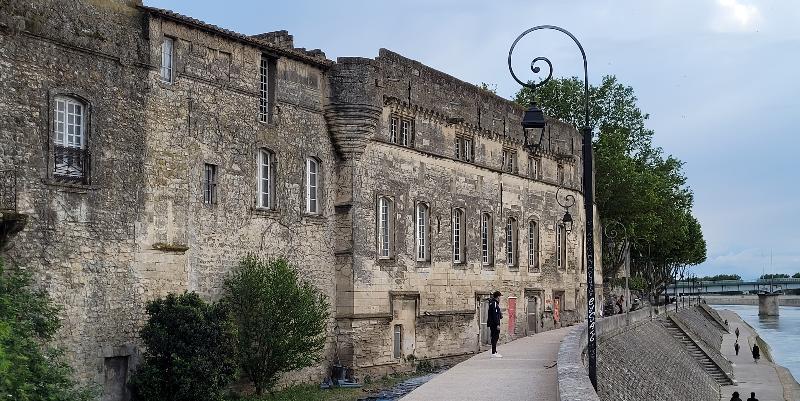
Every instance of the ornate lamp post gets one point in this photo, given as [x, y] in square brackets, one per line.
[533, 123]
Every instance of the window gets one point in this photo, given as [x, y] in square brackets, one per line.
[509, 161]
[210, 184]
[423, 214]
[401, 130]
[385, 227]
[398, 340]
[486, 238]
[167, 59]
[459, 237]
[266, 181]
[264, 109]
[70, 156]
[511, 242]
[561, 247]
[560, 174]
[312, 185]
[464, 148]
[533, 167]
[533, 246]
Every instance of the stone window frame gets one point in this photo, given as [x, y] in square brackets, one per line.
[512, 243]
[561, 246]
[461, 150]
[459, 243]
[396, 121]
[272, 187]
[422, 242]
[266, 88]
[509, 161]
[486, 239]
[170, 68]
[390, 227]
[89, 148]
[318, 187]
[534, 246]
[534, 167]
[210, 184]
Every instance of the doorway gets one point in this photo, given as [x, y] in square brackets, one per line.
[533, 315]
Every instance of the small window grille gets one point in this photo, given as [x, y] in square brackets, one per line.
[265, 179]
[486, 238]
[167, 59]
[312, 185]
[511, 242]
[561, 247]
[210, 184]
[458, 236]
[393, 123]
[384, 227]
[533, 246]
[264, 109]
[398, 341]
[422, 232]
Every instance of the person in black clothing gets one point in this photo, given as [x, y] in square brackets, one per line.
[736, 347]
[756, 353]
[493, 321]
[737, 333]
[752, 397]
[735, 396]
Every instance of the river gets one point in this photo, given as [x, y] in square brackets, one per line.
[782, 333]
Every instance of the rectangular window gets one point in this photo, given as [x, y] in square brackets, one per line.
[560, 174]
[384, 227]
[459, 239]
[210, 184]
[167, 59]
[533, 246]
[486, 238]
[398, 341]
[561, 247]
[533, 167]
[393, 123]
[464, 148]
[405, 132]
[265, 179]
[511, 242]
[509, 161]
[422, 232]
[264, 109]
[312, 185]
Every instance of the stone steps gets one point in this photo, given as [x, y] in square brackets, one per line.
[708, 365]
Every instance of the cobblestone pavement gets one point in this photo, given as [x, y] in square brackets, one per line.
[527, 371]
[761, 377]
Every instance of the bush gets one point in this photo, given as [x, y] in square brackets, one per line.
[280, 320]
[189, 351]
[29, 370]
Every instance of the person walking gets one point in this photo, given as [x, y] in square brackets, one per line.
[735, 396]
[756, 353]
[620, 303]
[736, 347]
[737, 333]
[493, 321]
[752, 396]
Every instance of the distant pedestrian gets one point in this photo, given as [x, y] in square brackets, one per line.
[756, 353]
[737, 333]
[620, 303]
[752, 397]
[735, 396]
[736, 347]
[493, 321]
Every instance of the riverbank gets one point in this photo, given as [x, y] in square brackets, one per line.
[784, 300]
[767, 379]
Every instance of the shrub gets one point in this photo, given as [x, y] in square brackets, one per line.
[280, 319]
[189, 351]
[29, 370]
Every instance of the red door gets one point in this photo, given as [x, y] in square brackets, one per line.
[512, 315]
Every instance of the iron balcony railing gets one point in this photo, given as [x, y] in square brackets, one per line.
[71, 164]
[8, 189]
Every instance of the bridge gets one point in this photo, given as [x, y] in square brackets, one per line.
[735, 286]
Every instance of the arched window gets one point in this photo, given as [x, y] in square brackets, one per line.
[423, 218]
[312, 185]
[533, 246]
[459, 236]
[511, 242]
[266, 179]
[486, 238]
[70, 155]
[385, 227]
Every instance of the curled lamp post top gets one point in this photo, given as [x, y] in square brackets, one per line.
[569, 199]
[613, 229]
[536, 70]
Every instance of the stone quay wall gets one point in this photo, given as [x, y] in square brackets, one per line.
[784, 300]
[637, 359]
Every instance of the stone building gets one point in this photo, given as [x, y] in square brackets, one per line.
[150, 151]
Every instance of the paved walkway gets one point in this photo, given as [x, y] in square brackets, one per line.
[762, 377]
[527, 371]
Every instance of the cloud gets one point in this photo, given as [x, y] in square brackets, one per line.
[733, 16]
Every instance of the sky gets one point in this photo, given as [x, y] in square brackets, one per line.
[718, 78]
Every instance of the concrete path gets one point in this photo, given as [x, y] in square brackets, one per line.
[762, 377]
[527, 371]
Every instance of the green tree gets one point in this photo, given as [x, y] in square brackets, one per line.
[190, 351]
[796, 275]
[636, 184]
[771, 276]
[720, 277]
[30, 370]
[280, 319]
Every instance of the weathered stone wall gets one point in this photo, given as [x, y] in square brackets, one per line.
[701, 325]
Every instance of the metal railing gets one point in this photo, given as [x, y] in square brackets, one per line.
[71, 164]
[8, 189]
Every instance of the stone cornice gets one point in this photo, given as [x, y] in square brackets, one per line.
[351, 126]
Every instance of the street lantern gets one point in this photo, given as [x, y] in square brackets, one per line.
[533, 126]
[567, 221]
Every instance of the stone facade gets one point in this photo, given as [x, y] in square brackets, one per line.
[140, 222]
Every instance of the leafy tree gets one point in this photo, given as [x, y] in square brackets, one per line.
[796, 275]
[720, 277]
[636, 184]
[30, 370]
[771, 276]
[190, 351]
[280, 319]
